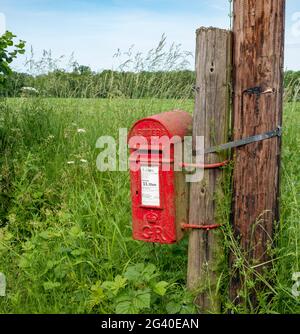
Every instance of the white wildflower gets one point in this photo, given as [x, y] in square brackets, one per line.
[83, 161]
[81, 130]
[71, 162]
[29, 90]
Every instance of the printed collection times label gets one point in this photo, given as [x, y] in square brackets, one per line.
[150, 186]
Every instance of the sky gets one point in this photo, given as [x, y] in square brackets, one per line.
[95, 29]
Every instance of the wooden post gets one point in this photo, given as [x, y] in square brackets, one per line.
[211, 120]
[258, 62]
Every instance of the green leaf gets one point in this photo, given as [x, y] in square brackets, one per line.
[8, 52]
[160, 288]
[79, 252]
[133, 302]
[120, 282]
[173, 308]
[126, 307]
[61, 271]
[48, 234]
[142, 299]
[188, 309]
[149, 272]
[133, 272]
[38, 194]
[51, 285]
[28, 246]
[141, 273]
[49, 266]
[97, 295]
[24, 262]
[116, 285]
[76, 232]
[96, 286]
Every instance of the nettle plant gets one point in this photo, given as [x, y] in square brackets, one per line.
[130, 293]
[139, 290]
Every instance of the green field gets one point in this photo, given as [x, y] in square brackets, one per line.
[65, 228]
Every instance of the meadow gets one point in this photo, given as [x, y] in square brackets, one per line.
[65, 227]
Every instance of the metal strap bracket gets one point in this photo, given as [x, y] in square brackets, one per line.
[243, 142]
[200, 227]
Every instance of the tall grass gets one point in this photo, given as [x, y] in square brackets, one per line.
[273, 286]
[65, 228]
[162, 72]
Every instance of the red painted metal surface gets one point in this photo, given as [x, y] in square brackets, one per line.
[154, 214]
[171, 123]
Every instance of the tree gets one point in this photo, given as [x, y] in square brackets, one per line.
[8, 52]
[82, 69]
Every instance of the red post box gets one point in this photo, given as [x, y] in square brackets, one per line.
[159, 195]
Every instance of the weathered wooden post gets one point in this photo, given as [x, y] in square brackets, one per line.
[258, 88]
[211, 120]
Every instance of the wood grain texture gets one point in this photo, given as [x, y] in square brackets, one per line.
[211, 120]
[258, 61]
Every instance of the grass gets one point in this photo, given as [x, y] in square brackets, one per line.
[65, 229]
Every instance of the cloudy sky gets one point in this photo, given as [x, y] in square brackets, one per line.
[95, 29]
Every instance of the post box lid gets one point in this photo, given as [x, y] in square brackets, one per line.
[171, 123]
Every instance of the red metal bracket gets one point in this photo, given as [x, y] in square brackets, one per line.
[200, 227]
[205, 166]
